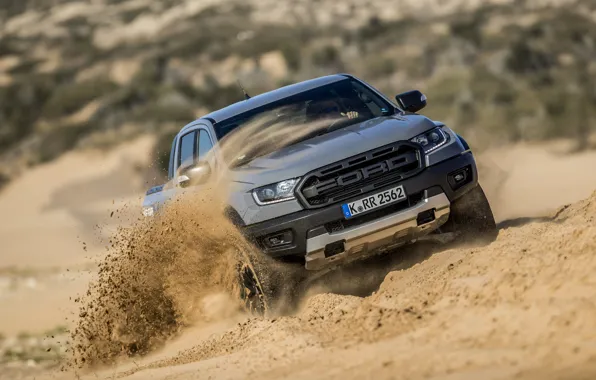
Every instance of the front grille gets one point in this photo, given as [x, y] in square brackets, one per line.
[360, 174]
[341, 224]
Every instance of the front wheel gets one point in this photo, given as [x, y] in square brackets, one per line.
[254, 299]
[471, 218]
[266, 285]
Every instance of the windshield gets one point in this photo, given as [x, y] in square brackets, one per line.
[297, 118]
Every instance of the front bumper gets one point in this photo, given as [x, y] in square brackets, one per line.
[312, 230]
[374, 237]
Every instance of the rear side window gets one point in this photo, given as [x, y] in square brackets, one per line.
[187, 148]
[205, 143]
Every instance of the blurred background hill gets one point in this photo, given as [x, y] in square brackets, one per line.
[79, 74]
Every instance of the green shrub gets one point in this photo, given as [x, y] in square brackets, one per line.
[25, 67]
[71, 97]
[292, 53]
[214, 96]
[327, 55]
[20, 106]
[4, 180]
[13, 7]
[379, 66]
[374, 28]
[525, 59]
[59, 140]
[468, 28]
[386, 33]
[271, 38]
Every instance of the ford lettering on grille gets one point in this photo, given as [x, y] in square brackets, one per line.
[359, 174]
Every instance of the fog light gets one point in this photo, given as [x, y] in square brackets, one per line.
[460, 177]
[279, 239]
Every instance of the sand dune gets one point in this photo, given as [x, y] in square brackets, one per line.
[521, 307]
[47, 228]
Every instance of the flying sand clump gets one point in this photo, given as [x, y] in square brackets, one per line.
[152, 282]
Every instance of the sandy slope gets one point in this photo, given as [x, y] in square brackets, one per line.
[45, 209]
[521, 307]
[525, 181]
[47, 228]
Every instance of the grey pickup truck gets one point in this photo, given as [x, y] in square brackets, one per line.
[371, 176]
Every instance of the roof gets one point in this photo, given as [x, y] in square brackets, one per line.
[271, 96]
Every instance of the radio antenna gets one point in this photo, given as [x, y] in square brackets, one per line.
[246, 96]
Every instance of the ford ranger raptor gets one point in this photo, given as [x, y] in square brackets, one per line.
[373, 175]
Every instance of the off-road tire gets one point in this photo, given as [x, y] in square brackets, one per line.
[471, 218]
[252, 295]
[267, 286]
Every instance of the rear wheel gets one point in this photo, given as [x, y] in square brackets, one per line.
[471, 218]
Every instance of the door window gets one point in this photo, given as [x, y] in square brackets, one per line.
[187, 148]
[171, 162]
[205, 143]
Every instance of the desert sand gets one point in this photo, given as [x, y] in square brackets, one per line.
[56, 219]
[523, 306]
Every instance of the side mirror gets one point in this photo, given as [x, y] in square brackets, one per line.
[411, 101]
[196, 173]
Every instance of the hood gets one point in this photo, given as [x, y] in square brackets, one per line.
[298, 159]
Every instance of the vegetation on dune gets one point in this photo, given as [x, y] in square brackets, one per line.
[46, 349]
[498, 73]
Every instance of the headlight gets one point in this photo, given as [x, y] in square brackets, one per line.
[276, 192]
[432, 140]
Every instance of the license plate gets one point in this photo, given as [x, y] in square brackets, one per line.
[374, 201]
